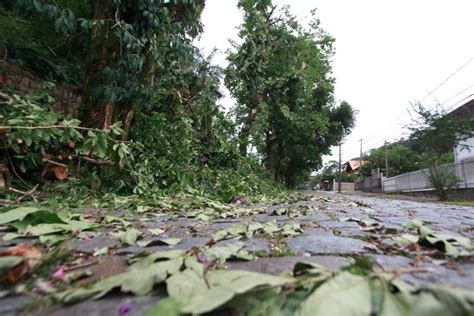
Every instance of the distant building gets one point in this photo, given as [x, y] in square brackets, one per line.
[465, 149]
[353, 165]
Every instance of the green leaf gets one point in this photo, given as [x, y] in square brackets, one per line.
[418, 225]
[51, 240]
[44, 229]
[158, 242]
[127, 237]
[197, 297]
[302, 268]
[167, 306]
[110, 219]
[223, 252]
[271, 227]
[16, 214]
[345, 294]
[405, 239]
[139, 280]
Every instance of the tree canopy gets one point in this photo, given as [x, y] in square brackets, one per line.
[281, 78]
[150, 119]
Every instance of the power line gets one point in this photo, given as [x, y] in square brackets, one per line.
[400, 132]
[452, 107]
[380, 136]
[447, 79]
[458, 94]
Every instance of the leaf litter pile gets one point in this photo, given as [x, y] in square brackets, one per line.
[37, 260]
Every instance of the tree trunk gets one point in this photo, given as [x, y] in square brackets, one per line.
[104, 46]
[245, 131]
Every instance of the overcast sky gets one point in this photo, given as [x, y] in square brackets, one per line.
[388, 53]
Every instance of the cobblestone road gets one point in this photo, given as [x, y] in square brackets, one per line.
[335, 229]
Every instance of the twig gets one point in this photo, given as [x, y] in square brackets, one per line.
[399, 271]
[25, 193]
[418, 255]
[93, 161]
[13, 166]
[78, 167]
[80, 266]
[54, 163]
[8, 99]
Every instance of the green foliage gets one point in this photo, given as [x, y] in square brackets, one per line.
[34, 131]
[402, 158]
[195, 287]
[27, 32]
[331, 171]
[451, 245]
[442, 180]
[137, 59]
[285, 101]
[436, 132]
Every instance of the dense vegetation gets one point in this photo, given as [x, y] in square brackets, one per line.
[150, 120]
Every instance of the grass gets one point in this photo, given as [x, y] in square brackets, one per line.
[462, 203]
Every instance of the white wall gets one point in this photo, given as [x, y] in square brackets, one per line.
[462, 153]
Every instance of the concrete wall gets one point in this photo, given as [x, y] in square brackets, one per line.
[370, 184]
[23, 81]
[465, 150]
[417, 180]
[346, 186]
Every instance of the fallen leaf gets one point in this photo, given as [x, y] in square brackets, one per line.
[31, 257]
[158, 242]
[128, 237]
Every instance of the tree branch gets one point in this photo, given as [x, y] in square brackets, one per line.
[93, 161]
[30, 128]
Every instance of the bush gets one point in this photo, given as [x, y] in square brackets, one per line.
[442, 181]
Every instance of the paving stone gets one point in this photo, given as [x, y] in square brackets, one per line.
[106, 266]
[444, 276]
[339, 224]
[12, 305]
[231, 221]
[395, 220]
[108, 306]
[279, 265]
[90, 210]
[314, 216]
[314, 231]
[257, 245]
[91, 246]
[269, 218]
[352, 232]
[185, 244]
[392, 262]
[215, 226]
[327, 245]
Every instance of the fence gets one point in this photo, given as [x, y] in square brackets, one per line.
[417, 180]
[369, 184]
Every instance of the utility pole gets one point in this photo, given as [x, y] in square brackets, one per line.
[386, 160]
[361, 140]
[340, 174]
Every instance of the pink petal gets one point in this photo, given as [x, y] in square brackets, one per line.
[59, 273]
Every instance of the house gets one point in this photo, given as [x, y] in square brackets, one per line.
[465, 149]
[353, 165]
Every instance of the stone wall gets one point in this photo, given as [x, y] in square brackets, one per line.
[23, 81]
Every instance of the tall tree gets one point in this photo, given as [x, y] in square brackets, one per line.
[281, 78]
